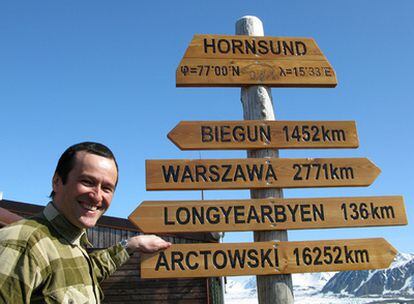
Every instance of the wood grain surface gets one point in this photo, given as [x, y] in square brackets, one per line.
[261, 258]
[259, 173]
[195, 72]
[268, 214]
[260, 134]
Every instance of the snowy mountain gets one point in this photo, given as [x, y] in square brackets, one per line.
[398, 279]
[305, 285]
[395, 284]
[240, 290]
[310, 283]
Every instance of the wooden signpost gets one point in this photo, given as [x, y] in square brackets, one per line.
[268, 214]
[254, 63]
[259, 173]
[259, 134]
[263, 258]
[216, 60]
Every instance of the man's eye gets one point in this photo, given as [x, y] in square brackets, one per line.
[108, 189]
[86, 182]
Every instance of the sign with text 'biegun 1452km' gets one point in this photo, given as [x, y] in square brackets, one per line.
[268, 214]
[261, 258]
[256, 173]
[217, 60]
[261, 134]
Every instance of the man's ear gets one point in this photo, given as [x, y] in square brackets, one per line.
[56, 182]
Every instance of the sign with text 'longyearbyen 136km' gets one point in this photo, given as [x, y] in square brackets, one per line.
[259, 134]
[261, 258]
[268, 214]
[256, 173]
[217, 60]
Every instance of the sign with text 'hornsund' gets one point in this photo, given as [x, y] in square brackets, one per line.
[263, 134]
[262, 258]
[217, 60]
[256, 173]
[268, 214]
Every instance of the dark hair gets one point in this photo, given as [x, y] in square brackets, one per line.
[67, 160]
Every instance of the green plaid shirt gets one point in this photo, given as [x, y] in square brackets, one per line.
[43, 260]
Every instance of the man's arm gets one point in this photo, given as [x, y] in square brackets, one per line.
[146, 244]
[19, 274]
[106, 261]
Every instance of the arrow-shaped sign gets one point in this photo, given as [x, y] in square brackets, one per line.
[261, 258]
[262, 134]
[268, 214]
[259, 173]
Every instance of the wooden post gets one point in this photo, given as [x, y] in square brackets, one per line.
[258, 105]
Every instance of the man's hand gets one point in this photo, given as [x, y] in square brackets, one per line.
[146, 244]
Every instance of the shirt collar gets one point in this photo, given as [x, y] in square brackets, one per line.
[74, 235]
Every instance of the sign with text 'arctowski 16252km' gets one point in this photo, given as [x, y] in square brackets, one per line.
[268, 214]
[263, 134]
[217, 60]
[262, 258]
[256, 173]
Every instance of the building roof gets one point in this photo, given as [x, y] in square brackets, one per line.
[7, 217]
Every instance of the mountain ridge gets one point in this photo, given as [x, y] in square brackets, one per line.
[392, 285]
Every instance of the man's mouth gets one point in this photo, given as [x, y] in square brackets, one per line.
[89, 206]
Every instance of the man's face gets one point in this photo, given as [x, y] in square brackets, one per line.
[88, 190]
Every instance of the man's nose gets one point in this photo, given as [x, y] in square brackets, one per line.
[96, 194]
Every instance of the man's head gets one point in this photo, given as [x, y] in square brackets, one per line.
[84, 183]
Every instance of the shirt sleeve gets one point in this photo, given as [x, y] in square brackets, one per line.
[106, 261]
[19, 273]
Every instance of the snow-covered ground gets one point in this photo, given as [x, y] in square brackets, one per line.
[242, 290]
[327, 300]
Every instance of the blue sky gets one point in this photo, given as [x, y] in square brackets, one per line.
[72, 71]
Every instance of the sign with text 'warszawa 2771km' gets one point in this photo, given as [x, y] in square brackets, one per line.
[215, 60]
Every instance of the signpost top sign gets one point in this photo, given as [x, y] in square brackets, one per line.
[217, 60]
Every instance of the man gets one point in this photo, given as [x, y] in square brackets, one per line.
[43, 259]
